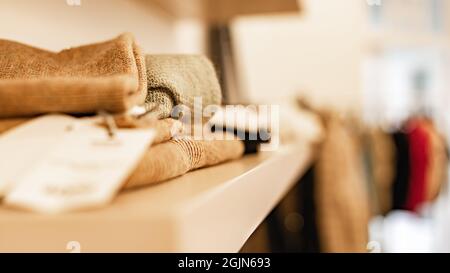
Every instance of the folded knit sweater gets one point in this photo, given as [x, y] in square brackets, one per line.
[177, 80]
[106, 76]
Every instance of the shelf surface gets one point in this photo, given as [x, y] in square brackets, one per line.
[214, 209]
[224, 10]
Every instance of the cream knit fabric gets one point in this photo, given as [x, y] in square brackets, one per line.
[178, 79]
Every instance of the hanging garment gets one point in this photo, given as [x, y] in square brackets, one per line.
[107, 76]
[419, 160]
[309, 236]
[381, 150]
[178, 80]
[402, 170]
[292, 223]
[342, 201]
[438, 162]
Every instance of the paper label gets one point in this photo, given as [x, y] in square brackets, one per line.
[85, 169]
[25, 145]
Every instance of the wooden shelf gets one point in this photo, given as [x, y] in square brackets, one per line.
[209, 210]
[223, 10]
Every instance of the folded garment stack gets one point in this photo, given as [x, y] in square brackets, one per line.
[177, 157]
[114, 76]
[174, 153]
[107, 76]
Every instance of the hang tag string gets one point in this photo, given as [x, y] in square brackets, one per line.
[110, 124]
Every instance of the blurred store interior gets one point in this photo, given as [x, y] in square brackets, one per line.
[373, 76]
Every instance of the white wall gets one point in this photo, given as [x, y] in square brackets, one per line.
[318, 53]
[54, 25]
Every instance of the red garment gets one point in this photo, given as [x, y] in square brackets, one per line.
[419, 147]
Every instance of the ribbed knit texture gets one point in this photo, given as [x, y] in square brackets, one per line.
[177, 157]
[106, 76]
[177, 80]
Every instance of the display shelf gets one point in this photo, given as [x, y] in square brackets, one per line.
[214, 209]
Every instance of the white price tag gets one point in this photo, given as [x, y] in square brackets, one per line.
[23, 146]
[85, 169]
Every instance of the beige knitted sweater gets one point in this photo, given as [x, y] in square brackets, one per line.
[177, 80]
[106, 76]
